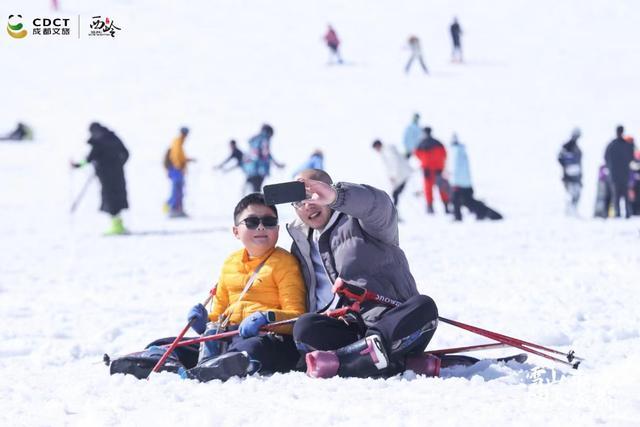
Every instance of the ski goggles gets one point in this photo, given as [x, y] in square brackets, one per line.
[252, 222]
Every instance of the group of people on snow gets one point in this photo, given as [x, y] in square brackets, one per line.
[455, 192]
[333, 43]
[618, 177]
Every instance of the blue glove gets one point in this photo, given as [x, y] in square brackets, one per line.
[200, 317]
[251, 325]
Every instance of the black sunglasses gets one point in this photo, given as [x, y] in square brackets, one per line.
[252, 222]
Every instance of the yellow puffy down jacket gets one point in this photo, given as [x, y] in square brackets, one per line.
[279, 288]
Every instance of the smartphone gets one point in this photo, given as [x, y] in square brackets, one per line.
[285, 192]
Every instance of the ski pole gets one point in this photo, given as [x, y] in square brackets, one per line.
[267, 328]
[360, 294]
[80, 195]
[477, 347]
[175, 342]
[517, 343]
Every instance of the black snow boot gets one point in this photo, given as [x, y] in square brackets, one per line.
[232, 364]
[362, 359]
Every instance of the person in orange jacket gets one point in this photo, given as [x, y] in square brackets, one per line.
[176, 164]
[433, 156]
[277, 292]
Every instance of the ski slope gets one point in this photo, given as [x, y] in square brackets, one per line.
[533, 72]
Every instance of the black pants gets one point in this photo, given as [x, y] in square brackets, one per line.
[619, 191]
[397, 191]
[405, 329]
[463, 196]
[272, 353]
[256, 183]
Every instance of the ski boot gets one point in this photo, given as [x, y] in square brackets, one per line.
[232, 364]
[430, 210]
[423, 364]
[362, 359]
[117, 227]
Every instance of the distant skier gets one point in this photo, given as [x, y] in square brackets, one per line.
[618, 156]
[235, 154]
[634, 183]
[108, 156]
[398, 169]
[433, 156]
[176, 170]
[570, 158]
[22, 132]
[257, 162]
[416, 54]
[412, 136]
[316, 161]
[462, 188]
[456, 32]
[603, 193]
[333, 42]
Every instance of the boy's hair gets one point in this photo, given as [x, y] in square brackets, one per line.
[248, 200]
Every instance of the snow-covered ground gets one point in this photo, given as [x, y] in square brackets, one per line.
[534, 70]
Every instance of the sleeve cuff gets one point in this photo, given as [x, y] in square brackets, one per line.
[340, 194]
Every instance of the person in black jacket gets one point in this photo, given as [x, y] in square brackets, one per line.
[456, 32]
[618, 156]
[108, 156]
[570, 158]
[235, 154]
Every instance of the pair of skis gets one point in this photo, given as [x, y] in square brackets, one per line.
[358, 295]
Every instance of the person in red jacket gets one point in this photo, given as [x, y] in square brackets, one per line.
[433, 156]
[333, 43]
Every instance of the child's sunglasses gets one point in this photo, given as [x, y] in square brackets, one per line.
[252, 222]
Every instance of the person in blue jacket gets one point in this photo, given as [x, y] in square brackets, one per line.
[257, 162]
[316, 161]
[412, 135]
[462, 188]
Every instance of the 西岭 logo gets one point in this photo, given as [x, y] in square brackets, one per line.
[103, 27]
[15, 27]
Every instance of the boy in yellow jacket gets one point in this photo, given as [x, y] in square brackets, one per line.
[258, 285]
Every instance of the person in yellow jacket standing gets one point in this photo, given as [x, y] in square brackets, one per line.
[258, 285]
[176, 165]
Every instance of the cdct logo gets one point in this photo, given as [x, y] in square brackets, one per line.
[15, 27]
[47, 22]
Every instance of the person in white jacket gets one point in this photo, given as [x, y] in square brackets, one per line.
[398, 168]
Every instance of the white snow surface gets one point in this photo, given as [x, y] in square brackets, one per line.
[534, 71]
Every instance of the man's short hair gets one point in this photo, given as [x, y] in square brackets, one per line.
[248, 200]
[317, 175]
[376, 143]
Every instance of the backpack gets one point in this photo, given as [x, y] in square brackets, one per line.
[167, 160]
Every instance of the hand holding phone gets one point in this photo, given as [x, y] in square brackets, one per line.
[320, 193]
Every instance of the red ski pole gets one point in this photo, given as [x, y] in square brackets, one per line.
[175, 342]
[477, 347]
[360, 294]
[267, 328]
[515, 342]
